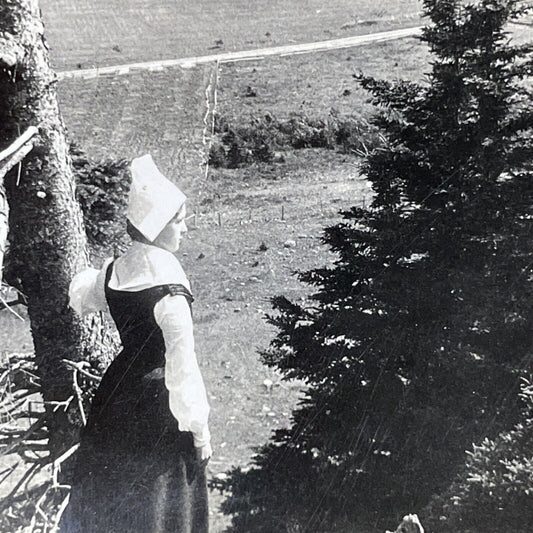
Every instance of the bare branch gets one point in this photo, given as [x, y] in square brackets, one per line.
[56, 465]
[17, 151]
[63, 404]
[7, 472]
[38, 510]
[11, 156]
[32, 429]
[78, 391]
[3, 303]
[79, 368]
[19, 143]
[61, 510]
[8, 500]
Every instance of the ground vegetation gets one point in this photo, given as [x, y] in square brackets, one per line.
[264, 138]
[493, 491]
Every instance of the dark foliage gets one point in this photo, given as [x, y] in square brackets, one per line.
[493, 492]
[416, 338]
[102, 190]
[258, 141]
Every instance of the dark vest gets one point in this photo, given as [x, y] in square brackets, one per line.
[130, 400]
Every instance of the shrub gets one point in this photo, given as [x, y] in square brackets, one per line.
[494, 492]
[236, 147]
[102, 191]
[257, 141]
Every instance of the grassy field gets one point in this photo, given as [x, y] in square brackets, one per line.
[89, 33]
[240, 251]
[315, 84]
[157, 112]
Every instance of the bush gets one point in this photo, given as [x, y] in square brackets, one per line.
[258, 141]
[102, 191]
[235, 147]
[495, 490]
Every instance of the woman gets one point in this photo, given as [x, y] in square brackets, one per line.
[142, 456]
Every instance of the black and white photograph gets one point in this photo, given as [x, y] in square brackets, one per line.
[266, 266]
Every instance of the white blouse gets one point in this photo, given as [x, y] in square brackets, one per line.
[141, 267]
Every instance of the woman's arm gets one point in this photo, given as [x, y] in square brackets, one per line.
[87, 290]
[188, 399]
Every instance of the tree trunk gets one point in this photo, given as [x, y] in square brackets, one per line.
[46, 237]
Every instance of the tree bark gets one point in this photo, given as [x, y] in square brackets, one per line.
[47, 243]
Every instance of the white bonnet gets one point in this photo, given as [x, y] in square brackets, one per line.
[153, 199]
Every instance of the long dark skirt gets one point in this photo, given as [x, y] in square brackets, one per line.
[136, 472]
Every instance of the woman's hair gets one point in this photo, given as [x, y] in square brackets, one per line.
[135, 234]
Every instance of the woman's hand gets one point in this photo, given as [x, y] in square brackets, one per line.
[203, 454]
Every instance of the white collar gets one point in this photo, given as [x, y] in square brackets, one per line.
[144, 266]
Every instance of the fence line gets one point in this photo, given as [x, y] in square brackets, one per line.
[218, 218]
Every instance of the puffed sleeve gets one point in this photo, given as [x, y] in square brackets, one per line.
[188, 399]
[87, 290]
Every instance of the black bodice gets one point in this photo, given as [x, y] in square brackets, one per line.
[133, 314]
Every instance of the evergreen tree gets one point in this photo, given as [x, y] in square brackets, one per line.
[416, 337]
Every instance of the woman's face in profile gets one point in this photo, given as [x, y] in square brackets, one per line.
[171, 235]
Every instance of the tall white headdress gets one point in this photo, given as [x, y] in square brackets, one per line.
[153, 199]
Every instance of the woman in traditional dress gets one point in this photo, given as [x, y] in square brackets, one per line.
[142, 456]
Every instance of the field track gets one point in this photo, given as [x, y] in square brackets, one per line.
[188, 62]
[96, 33]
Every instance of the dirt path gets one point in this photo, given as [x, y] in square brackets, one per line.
[188, 62]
